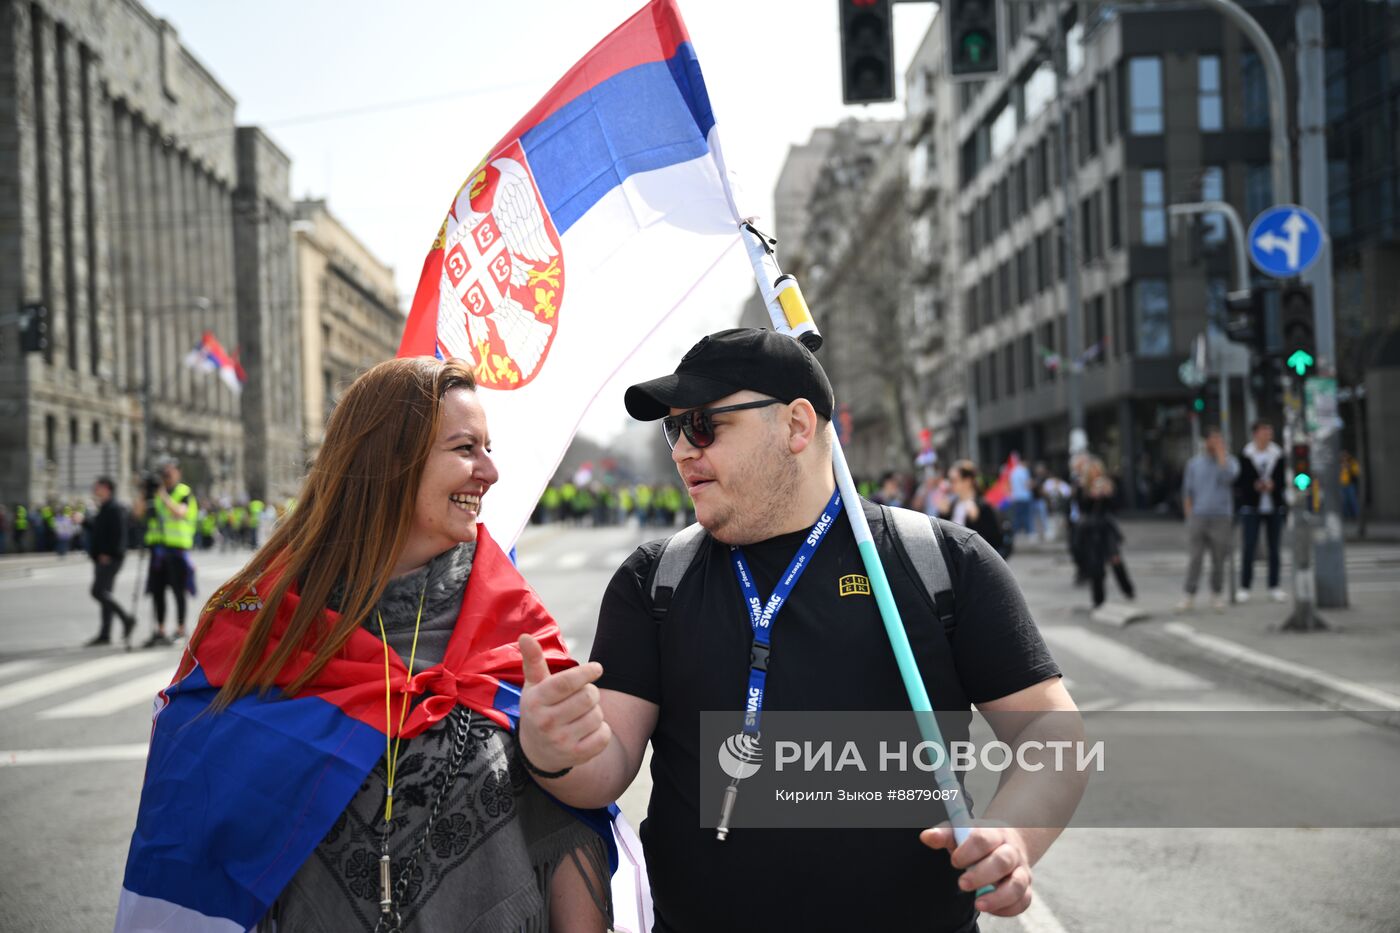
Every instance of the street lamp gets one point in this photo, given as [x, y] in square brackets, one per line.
[200, 303]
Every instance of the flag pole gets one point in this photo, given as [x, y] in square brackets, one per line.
[790, 316]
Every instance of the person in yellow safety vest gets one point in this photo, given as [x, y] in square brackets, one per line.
[644, 504]
[46, 535]
[551, 503]
[21, 528]
[255, 510]
[177, 514]
[624, 503]
[208, 524]
[239, 522]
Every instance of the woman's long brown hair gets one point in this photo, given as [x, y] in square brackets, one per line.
[349, 524]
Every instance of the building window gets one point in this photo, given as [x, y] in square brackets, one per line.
[1258, 190]
[1213, 189]
[1154, 211]
[1089, 132]
[1154, 325]
[1110, 106]
[1115, 208]
[1145, 94]
[1028, 361]
[993, 384]
[1042, 168]
[1009, 364]
[1215, 300]
[1209, 109]
[1004, 288]
[1047, 350]
[1338, 197]
[970, 297]
[1255, 91]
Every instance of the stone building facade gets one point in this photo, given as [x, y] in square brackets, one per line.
[350, 314]
[127, 200]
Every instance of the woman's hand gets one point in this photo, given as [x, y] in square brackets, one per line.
[561, 720]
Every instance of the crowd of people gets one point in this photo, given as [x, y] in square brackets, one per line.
[598, 503]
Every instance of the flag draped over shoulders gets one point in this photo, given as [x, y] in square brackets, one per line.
[234, 801]
[581, 230]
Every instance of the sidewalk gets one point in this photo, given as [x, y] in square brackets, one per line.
[1353, 666]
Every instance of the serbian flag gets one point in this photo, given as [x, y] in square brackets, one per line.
[1000, 491]
[209, 356]
[234, 802]
[581, 230]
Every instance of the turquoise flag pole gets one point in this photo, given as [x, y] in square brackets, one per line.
[790, 315]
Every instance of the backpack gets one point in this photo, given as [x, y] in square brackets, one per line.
[919, 537]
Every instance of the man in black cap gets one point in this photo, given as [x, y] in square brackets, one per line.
[747, 416]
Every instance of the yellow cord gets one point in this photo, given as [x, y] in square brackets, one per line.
[391, 751]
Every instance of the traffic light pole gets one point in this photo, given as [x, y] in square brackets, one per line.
[1312, 172]
[1304, 617]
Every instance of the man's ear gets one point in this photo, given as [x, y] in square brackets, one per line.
[802, 425]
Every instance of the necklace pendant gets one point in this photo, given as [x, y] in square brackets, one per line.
[386, 888]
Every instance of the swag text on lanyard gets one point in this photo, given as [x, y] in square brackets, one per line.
[762, 615]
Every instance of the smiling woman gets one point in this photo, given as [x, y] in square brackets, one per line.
[336, 752]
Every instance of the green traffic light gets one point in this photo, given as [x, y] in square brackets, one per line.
[1301, 361]
[1199, 404]
[1302, 481]
[975, 45]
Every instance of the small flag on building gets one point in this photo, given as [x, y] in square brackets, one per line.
[209, 356]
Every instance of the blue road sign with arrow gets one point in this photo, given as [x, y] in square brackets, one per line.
[1285, 240]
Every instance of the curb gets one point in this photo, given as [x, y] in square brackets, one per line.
[1365, 702]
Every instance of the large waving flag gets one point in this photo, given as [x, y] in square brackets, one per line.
[576, 236]
[233, 803]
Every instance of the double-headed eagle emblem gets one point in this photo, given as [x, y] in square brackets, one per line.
[502, 275]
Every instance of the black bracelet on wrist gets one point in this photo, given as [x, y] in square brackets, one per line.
[530, 766]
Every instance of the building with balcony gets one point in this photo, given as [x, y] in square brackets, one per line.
[1160, 106]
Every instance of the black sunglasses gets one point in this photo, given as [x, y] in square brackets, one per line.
[696, 425]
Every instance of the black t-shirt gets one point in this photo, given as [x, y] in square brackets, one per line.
[829, 652]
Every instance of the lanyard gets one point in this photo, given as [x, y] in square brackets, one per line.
[762, 615]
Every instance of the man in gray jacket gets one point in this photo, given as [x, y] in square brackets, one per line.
[1207, 497]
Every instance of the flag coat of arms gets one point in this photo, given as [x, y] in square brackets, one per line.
[572, 240]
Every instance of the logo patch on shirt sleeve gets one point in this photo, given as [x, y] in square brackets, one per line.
[853, 584]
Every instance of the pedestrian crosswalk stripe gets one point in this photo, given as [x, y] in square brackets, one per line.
[142, 690]
[32, 688]
[572, 561]
[1120, 660]
[15, 668]
[136, 751]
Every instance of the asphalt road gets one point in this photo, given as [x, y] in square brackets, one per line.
[73, 723]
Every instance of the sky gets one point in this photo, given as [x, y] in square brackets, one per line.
[385, 107]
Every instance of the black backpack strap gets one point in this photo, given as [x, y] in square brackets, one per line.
[922, 541]
[677, 553]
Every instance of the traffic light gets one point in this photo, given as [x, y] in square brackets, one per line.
[867, 51]
[1244, 319]
[974, 37]
[1266, 382]
[34, 328]
[1302, 467]
[1296, 326]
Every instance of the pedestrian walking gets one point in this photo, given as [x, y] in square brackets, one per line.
[1100, 537]
[1020, 496]
[1259, 492]
[968, 507]
[290, 809]
[107, 548]
[1351, 481]
[1207, 498]
[747, 414]
[171, 516]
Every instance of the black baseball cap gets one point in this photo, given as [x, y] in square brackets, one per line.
[730, 361]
